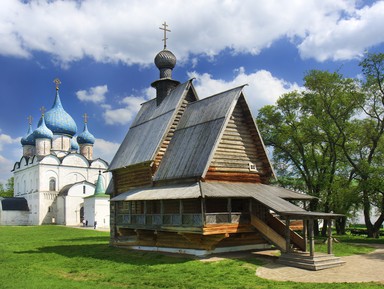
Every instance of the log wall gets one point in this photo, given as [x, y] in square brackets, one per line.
[132, 177]
[236, 158]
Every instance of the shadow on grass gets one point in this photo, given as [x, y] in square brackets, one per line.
[107, 253]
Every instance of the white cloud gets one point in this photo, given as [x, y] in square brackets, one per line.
[346, 38]
[125, 114]
[105, 149]
[8, 145]
[95, 94]
[263, 88]
[72, 30]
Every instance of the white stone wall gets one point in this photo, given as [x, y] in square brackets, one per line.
[32, 182]
[97, 209]
[14, 218]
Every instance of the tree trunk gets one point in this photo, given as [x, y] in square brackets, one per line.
[324, 228]
[340, 225]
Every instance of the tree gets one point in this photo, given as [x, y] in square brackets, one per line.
[305, 139]
[7, 190]
[363, 142]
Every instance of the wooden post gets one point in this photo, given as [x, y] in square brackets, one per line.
[330, 236]
[305, 234]
[287, 234]
[311, 239]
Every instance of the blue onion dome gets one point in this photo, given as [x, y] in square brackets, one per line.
[42, 131]
[85, 137]
[28, 139]
[74, 145]
[58, 120]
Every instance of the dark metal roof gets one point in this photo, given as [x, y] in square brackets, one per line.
[148, 129]
[14, 204]
[196, 137]
[174, 192]
[275, 198]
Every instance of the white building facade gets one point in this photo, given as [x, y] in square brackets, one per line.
[57, 170]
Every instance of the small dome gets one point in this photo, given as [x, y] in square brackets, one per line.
[28, 139]
[99, 190]
[86, 137]
[74, 145]
[42, 131]
[165, 59]
[58, 120]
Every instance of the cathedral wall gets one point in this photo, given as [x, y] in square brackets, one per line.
[61, 143]
[25, 180]
[43, 147]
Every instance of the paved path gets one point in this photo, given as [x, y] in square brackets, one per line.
[358, 268]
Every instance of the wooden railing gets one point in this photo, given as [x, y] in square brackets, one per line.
[194, 220]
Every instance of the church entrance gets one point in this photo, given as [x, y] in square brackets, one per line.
[81, 214]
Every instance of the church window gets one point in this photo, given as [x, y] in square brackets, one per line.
[83, 189]
[52, 184]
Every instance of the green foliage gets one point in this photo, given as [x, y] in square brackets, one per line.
[7, 190]
[61, 257]
[330, 138]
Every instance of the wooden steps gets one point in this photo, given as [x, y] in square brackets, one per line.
[305, 261]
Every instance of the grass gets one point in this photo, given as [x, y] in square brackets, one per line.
[60, 257]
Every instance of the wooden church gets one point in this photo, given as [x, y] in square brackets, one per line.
[192, 176]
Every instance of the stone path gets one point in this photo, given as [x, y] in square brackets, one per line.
[358, 268]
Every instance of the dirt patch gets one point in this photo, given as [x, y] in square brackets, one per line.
[358, 268]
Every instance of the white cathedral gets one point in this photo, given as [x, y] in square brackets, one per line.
[57, 177]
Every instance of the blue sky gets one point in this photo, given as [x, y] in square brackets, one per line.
[103, 51]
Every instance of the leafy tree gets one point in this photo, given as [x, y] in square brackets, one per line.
[363, 142]
[7, 190]
[306, 141]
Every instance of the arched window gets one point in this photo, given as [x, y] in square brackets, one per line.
[52, 185]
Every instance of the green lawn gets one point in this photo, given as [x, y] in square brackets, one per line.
[59, 257]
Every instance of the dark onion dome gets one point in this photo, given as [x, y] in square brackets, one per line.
[74, 144]
[28, 139]
[165, 61]
[85, 137]
[42, 131]
[58, 120]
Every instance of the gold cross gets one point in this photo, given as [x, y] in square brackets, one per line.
[85, 116]
[43, 110]
[165, 33]
[30, 118]
[57, 82]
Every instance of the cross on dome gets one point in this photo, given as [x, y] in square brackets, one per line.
[165, 25]
[43, 110]
[85, 116]
[30, 118]
[57, 82]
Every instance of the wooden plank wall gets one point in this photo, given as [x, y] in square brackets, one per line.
[132, 177]
[129, 237]
[237, 148]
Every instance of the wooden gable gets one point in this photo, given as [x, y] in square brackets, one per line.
[240, 154]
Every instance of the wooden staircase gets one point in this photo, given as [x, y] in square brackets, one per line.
[305, 261]
[274, 231]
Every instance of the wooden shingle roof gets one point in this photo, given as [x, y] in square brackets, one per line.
[149, 129]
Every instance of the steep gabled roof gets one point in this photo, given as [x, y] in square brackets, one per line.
[197, 136]
[149, 129]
